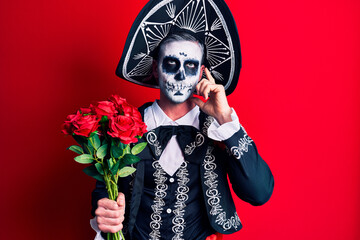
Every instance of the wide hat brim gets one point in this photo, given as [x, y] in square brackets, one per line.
[210, 20]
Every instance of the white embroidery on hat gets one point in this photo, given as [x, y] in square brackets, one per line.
[170, 10]
[154, 33]
[217, 75]
[143, 68]
[217, 52]
[192, 17]
[216, 25]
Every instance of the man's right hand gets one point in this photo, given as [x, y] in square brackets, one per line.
[110, 214]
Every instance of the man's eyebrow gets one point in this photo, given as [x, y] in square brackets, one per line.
[191, 59]
[186, 59]
[171, 56]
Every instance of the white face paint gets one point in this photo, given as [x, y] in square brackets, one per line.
[179, 69]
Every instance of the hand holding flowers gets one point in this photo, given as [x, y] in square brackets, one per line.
[104, 132]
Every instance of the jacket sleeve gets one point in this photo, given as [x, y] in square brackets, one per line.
[250, 176]
[98, 193]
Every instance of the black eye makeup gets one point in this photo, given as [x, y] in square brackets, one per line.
[170, 65]
[191, 67]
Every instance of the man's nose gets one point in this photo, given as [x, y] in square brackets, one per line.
[180, 75]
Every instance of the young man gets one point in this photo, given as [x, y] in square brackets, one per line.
[180, 189]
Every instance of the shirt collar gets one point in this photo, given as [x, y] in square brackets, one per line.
[191, 118]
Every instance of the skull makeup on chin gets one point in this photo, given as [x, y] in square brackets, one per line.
[179, 69]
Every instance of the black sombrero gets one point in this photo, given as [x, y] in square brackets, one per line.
[209, 20]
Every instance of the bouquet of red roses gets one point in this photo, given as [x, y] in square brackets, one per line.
[104, 132]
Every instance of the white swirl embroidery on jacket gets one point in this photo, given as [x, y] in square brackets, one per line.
[199, 140]
[207, 123]
[214, 196]
[181, 197]
[151, 138]
[158, 203]
[228, 223]
[243, 145]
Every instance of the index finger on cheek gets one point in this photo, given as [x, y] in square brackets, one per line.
[198, 85]
[208, 75]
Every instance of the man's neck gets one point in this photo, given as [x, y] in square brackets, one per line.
[175, 110]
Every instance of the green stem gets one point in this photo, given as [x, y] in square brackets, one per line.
[122, 236]
[108, 186]
[111, 185]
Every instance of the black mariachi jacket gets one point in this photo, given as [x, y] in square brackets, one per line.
[237, 157]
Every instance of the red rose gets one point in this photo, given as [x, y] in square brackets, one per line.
[80, 125]
[140, 125]
[68, 127]
[125, 128]
[134, 112]
[123, 107]
[127, 109]
[86, 125]
[104, 108]
[117, 100]
[85, 110]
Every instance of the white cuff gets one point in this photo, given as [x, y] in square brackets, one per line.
[222, 132]
[94, 226]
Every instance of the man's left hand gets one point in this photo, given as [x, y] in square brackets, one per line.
[216, 104]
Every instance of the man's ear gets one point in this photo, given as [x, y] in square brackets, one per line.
[201, 71]
[155, 70]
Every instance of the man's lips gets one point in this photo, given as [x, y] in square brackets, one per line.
[178, 87]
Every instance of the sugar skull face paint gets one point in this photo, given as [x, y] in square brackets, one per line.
[179, 69]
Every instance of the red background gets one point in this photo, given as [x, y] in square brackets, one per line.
[298, 97]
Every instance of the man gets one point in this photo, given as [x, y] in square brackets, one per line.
[178, 69]
[180, 189]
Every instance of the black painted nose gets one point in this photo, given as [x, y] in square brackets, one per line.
[180, 75]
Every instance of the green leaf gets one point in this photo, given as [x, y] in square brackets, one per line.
[116, 151]
[96, 141]
[84, 158]
[93, 172]
[130, 159]
[101, 152]
[115, 168]
[122, 146]
[93, 133]
[126, 171]
[138, 148]
[127, 149]
[110, 163]
[99, 168]
[89, 148]
[77, 149]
